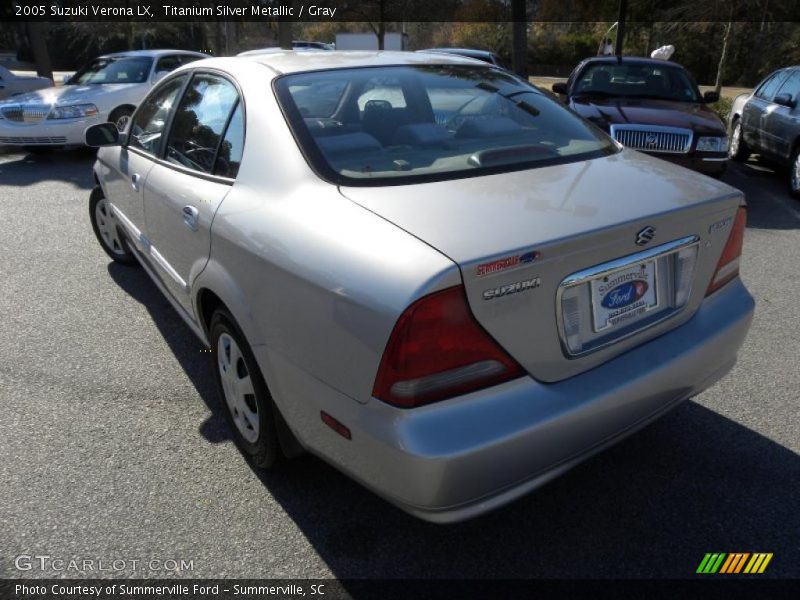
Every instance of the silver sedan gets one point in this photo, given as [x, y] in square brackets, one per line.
[420, 268]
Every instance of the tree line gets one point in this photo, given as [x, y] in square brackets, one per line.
[730, 42]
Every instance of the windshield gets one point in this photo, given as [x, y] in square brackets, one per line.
[408, 123]
[658, 81]
[133, 69]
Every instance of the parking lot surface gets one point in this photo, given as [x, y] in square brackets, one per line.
[113, 445]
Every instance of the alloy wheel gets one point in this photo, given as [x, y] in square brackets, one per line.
[795, 176]
[735, 140]
[122, 122]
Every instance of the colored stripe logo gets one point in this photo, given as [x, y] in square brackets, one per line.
[734, 562]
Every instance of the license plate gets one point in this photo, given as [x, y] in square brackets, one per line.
[624, 297]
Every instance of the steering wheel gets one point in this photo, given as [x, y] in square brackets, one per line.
[200, 155]
[450, 124]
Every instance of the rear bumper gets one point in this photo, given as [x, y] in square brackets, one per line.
[457, 459]
[66, 132]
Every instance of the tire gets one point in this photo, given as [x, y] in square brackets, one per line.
[794, 173]
[738, 149]
[243, 393]
[121, 117]
[106, 230]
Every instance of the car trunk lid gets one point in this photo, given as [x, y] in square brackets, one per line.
[518, 236]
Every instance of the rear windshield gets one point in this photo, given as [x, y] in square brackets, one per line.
[635, 80]
[391, 125]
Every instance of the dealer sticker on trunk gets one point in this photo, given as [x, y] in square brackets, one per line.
[624, 297]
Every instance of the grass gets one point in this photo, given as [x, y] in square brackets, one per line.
[722, 107]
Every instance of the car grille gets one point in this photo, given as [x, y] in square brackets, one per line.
[32, 140]
[20, 113]
[652, 138]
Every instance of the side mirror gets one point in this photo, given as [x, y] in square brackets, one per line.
[710, 97]
[159, 75]
[560, 88]
[784, 100]
[102, 134]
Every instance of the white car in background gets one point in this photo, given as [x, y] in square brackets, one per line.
[107, 89]
[12, 85]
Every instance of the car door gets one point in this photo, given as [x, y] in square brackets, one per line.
[124, 178]
[756, 109]
[782, 123]
[185, 188]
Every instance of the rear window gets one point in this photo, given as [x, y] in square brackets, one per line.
[392, 125]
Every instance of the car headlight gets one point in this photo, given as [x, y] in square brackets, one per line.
[712, 144]
[73, 111]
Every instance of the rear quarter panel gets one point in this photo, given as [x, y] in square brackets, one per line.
[307, 273]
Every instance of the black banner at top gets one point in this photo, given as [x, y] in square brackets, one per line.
[397, 10]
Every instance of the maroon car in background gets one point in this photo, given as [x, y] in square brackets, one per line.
[650, 105]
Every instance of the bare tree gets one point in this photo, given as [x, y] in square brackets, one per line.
[40, 53]
[697, 16]
[723, 55]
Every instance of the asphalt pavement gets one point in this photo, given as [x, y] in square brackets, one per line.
[112, 444]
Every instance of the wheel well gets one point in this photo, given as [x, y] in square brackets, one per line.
[207, 303]
[131, 107]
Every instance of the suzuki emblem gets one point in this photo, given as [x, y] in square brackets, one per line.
[645, 235]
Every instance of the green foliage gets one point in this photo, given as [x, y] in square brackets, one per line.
[722, 107]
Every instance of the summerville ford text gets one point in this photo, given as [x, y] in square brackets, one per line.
[177, 589]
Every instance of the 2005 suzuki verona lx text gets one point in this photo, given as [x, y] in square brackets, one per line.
[420, 268]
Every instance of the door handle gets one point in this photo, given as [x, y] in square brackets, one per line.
[190, 215]
[136, 181]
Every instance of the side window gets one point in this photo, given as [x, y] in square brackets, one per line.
[792, 85]
[168, 63]
[151, 118]
[199, 121]
[230, 151]
[767, 89]
[185, 59]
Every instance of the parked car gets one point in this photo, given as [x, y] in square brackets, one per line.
[767, 121]
[650, 105]
[313, 45]
[451, 310]
[296, 45]
[13, 85]
[483, 55]
[107, 89]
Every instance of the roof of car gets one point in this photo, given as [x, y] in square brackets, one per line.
[292, 62]
[631, 60]
[151, 53]
[462, 51]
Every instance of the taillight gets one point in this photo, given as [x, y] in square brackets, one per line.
[438, 350]
[728, 265]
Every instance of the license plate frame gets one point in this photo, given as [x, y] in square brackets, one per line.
[625, 296]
